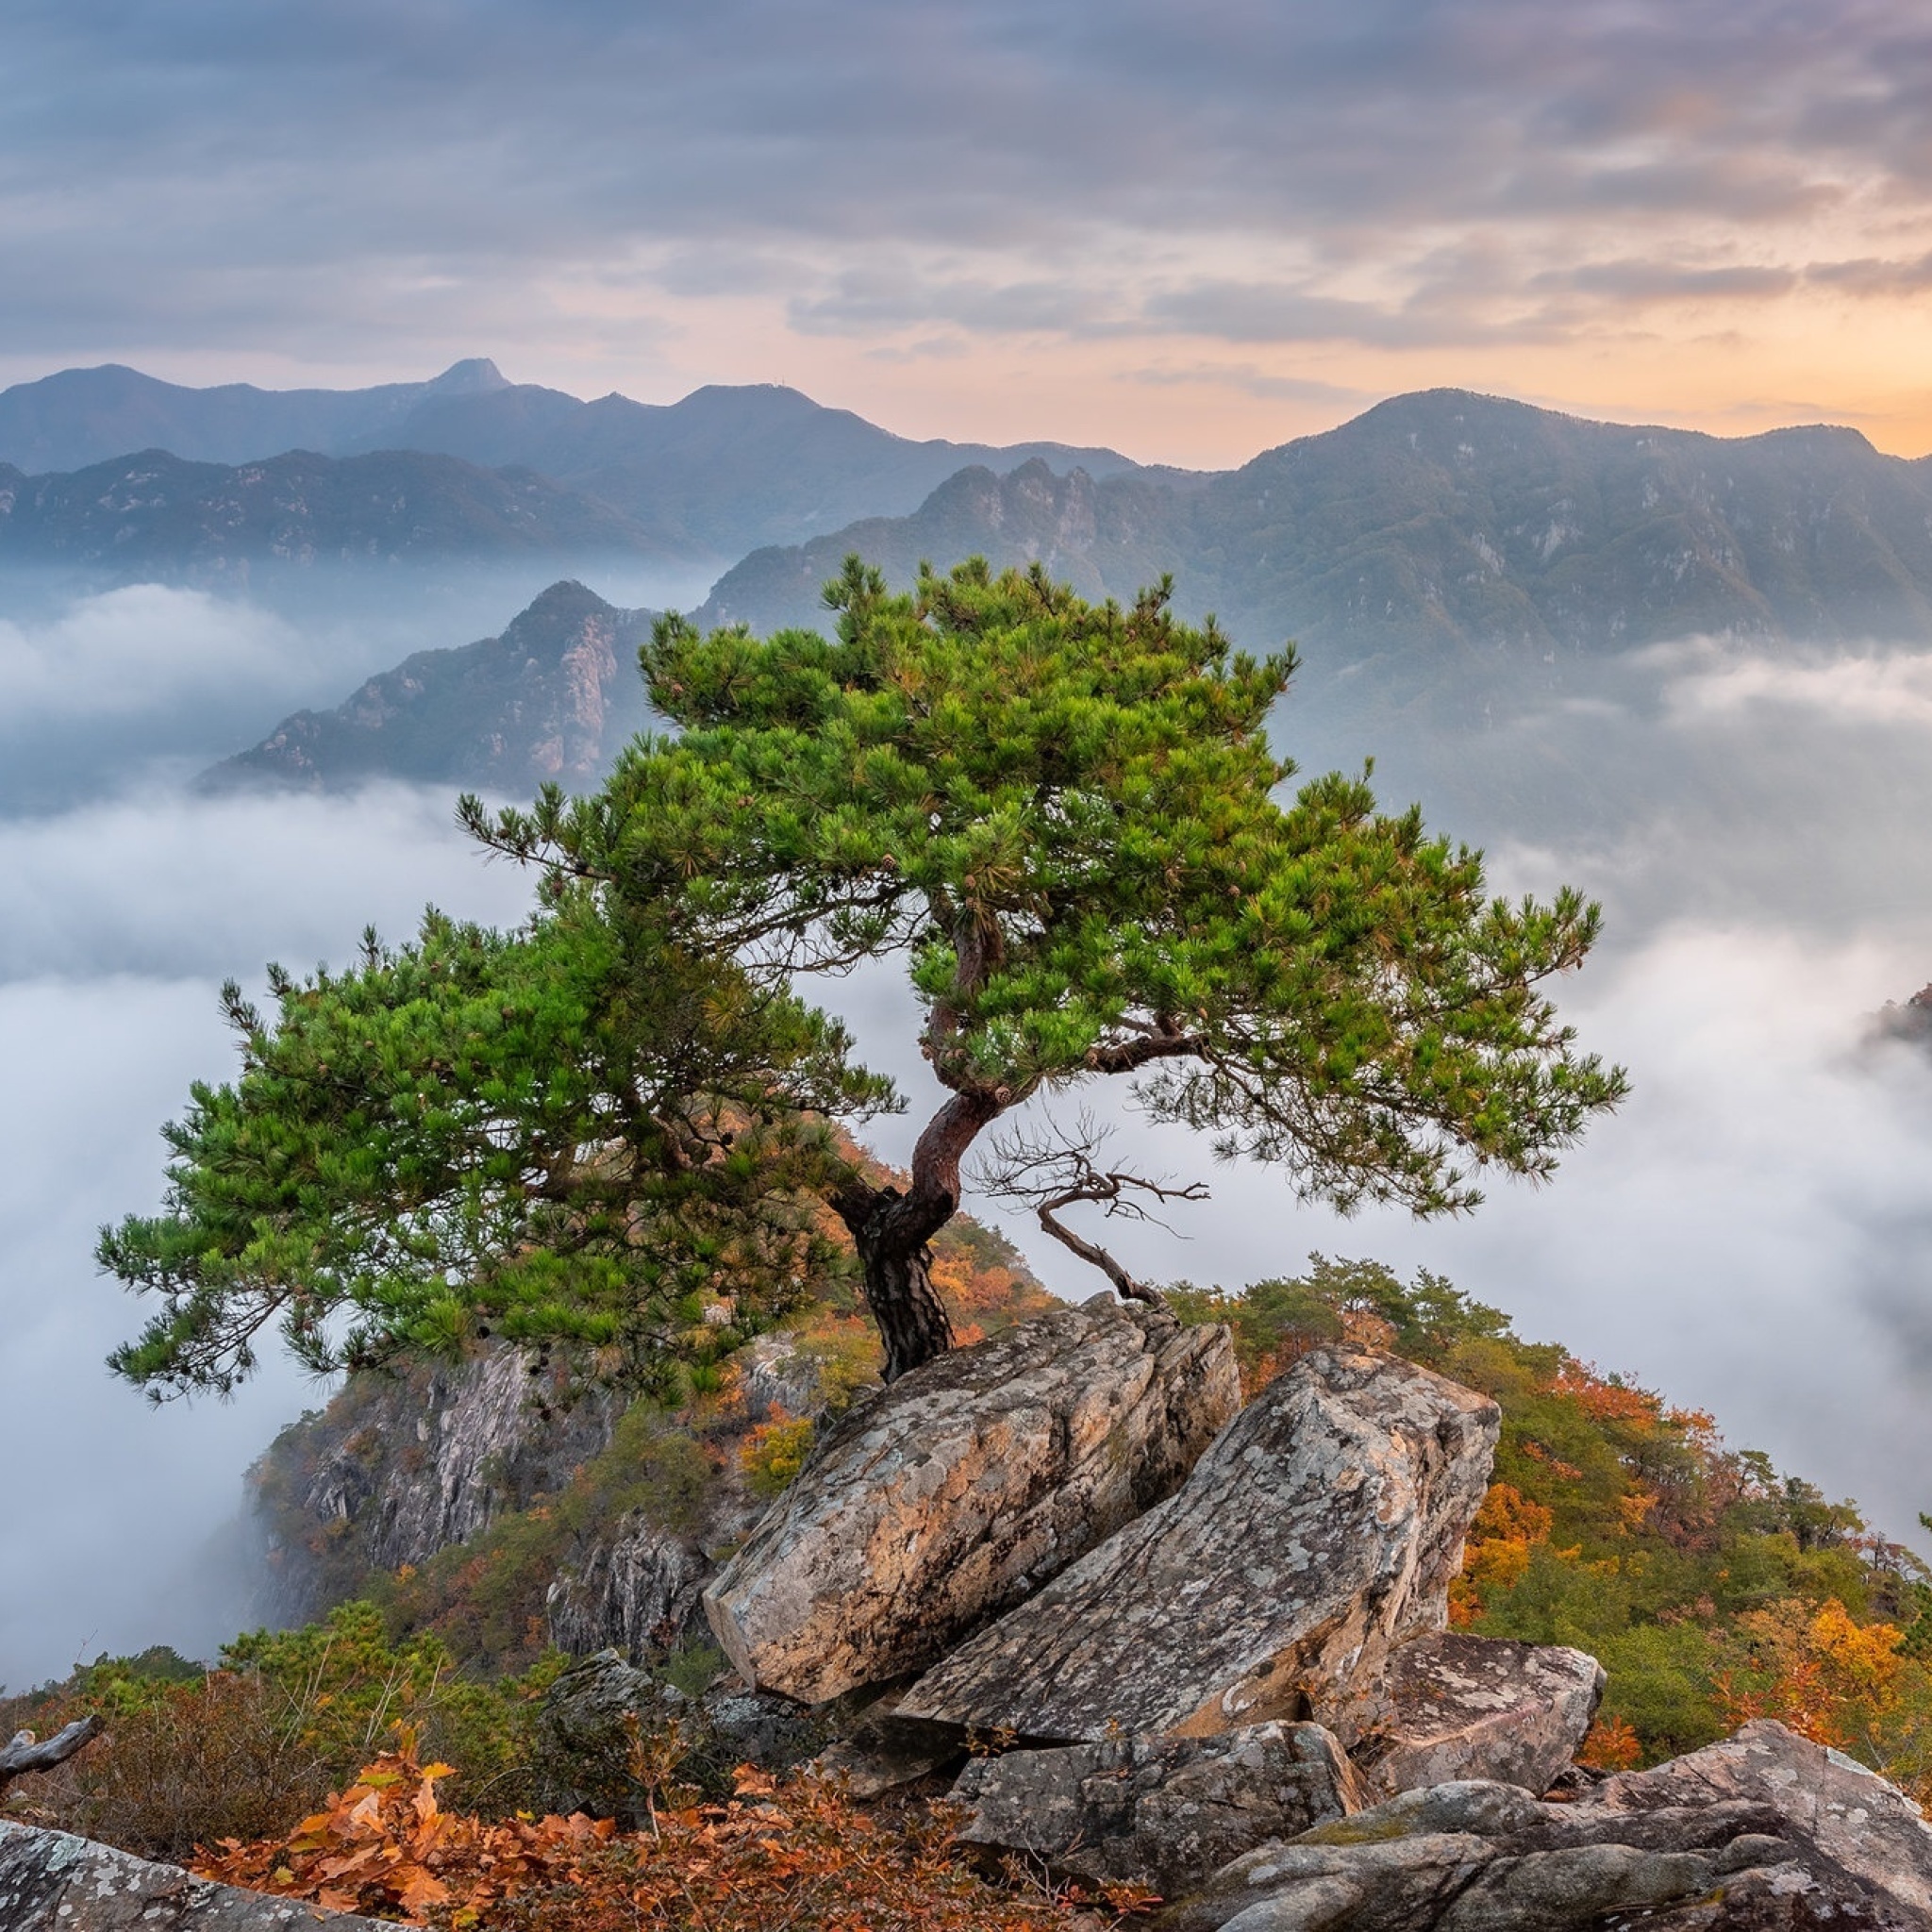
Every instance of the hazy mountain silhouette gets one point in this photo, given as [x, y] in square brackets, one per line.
[154, 517]
[714, 476]
[554, 697]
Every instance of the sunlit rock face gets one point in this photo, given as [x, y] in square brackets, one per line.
[1319, 1531]
[945, 1499]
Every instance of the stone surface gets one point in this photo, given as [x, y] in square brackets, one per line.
[1160, 1812]
[1481, 1707]
[1319, 1531]
[596, 1709]
[51, 1881]
[1407, 1883]
[1821, 1798]
[637, 1589]
[937, 1503]
[1688, 1847]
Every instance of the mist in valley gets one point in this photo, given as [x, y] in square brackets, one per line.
[1748, 1235]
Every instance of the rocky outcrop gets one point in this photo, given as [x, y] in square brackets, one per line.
[401, 1466]
[1764, 1831]
[1481, 1707]
[1162, 1813]
[1320, 1532]
[53, 1882]
[553, 698]
[946, 1498]
[639, 1590]
[1822, 1798]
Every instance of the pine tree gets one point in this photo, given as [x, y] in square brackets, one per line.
[1067, 820]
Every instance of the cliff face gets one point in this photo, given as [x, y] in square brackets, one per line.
[400, 1467]
[624, 1511]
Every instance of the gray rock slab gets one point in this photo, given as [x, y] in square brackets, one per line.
[1675, 1850]
[1466, 1706]
[1404, 1884]
[51, 1881]
[1822, 1798]
[941, 1501]
[1320, 1532]
[1160, 1812]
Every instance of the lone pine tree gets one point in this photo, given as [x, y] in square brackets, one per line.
[1065, 817]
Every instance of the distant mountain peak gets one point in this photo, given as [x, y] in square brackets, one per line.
[474, 376]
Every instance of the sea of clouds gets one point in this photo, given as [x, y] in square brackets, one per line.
[1748, 1235]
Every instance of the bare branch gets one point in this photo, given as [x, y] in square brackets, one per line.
[1057, 1170]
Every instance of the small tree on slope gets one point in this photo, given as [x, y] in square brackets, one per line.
[1065, 817]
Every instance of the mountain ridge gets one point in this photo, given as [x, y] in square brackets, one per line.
[713, 474]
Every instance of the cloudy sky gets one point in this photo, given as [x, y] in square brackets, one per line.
[1190, 232]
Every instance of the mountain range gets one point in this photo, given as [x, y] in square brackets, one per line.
[1450, 535]
[1440, 552]
[711, 477]
[154, 516]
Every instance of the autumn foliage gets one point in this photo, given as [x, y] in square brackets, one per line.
[797, 1854]
[1712, 1588]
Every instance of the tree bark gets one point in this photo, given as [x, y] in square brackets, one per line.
[893, 1232]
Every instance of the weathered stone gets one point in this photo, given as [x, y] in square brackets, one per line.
[949, 1496]
[1319, 1531]
[1690, 1847]
[1404, 1886]
[1821, 1799]
[636, 1589]
[1481, 1707]
[598, 1711]
[51, 1881]
[1160, 1812]
[1579, 1886]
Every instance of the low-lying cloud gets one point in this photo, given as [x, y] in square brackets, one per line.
[122, 920]
[134, 649]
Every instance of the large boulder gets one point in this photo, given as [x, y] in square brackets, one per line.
[1465, 1707]
[51, 1881]
[946, 1498]
[1821, 1799]
[1162, 1813]
[1675, 1850]
[1319, 1531]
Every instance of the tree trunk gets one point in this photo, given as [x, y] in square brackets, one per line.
[912, 1319]
[892, 1230]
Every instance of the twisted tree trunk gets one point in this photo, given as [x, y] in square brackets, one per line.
[892, 1233]
[25, 1753]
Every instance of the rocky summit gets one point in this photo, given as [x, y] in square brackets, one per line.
[1320, 1532]
[953, 1494]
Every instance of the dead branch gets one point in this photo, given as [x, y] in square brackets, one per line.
[26, 1754]
[1057, 1170]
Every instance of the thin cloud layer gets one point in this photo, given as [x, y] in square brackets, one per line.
[658, 194]
[136, 649]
